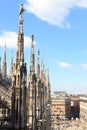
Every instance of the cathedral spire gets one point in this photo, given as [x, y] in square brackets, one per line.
[32, 58]
[11, 67]
[20, 51]
[32, 44]
[19, 81]
[12, 58]
[41, 69]
[4, 63]
[21, 19]
[38, 63]
[48, 80]
[0, 65]
[5, 54]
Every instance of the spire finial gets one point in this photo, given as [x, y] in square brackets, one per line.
[21, 10]
[5, 54]
[20, 18]
[38, 52]
[32, 59]
[32, 38]
[38, 57]
[4, 66]
[32, 44]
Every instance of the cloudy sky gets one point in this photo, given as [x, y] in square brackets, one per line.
[60, 30]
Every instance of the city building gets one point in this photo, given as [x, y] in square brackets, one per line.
[60, 106]
[24, 97]
[75, 107]
[83, 111]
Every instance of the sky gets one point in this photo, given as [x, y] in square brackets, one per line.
[60, 32]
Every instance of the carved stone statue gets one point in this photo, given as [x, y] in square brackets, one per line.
[21, 10]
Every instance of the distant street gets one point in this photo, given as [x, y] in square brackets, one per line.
[68, 125]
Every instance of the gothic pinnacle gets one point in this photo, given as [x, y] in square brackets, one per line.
[0, 64]
[32, 43]
[21, 18]
[32, 58]
[4, 69]
[5, 54]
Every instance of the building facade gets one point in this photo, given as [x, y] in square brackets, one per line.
[83, 111]
[65, 106]
[60, 106]
[75, 107]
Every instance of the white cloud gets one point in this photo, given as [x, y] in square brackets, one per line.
[84, 66]
[54, 12]
[10, 38]
[65, 65]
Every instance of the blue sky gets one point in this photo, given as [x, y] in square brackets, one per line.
[60, 30]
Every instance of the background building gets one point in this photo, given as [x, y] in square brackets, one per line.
[60, 105]
[83, 111]
[75, 107]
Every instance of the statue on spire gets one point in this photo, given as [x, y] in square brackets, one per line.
[21, 10]
[32, 44]
[32, 38]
